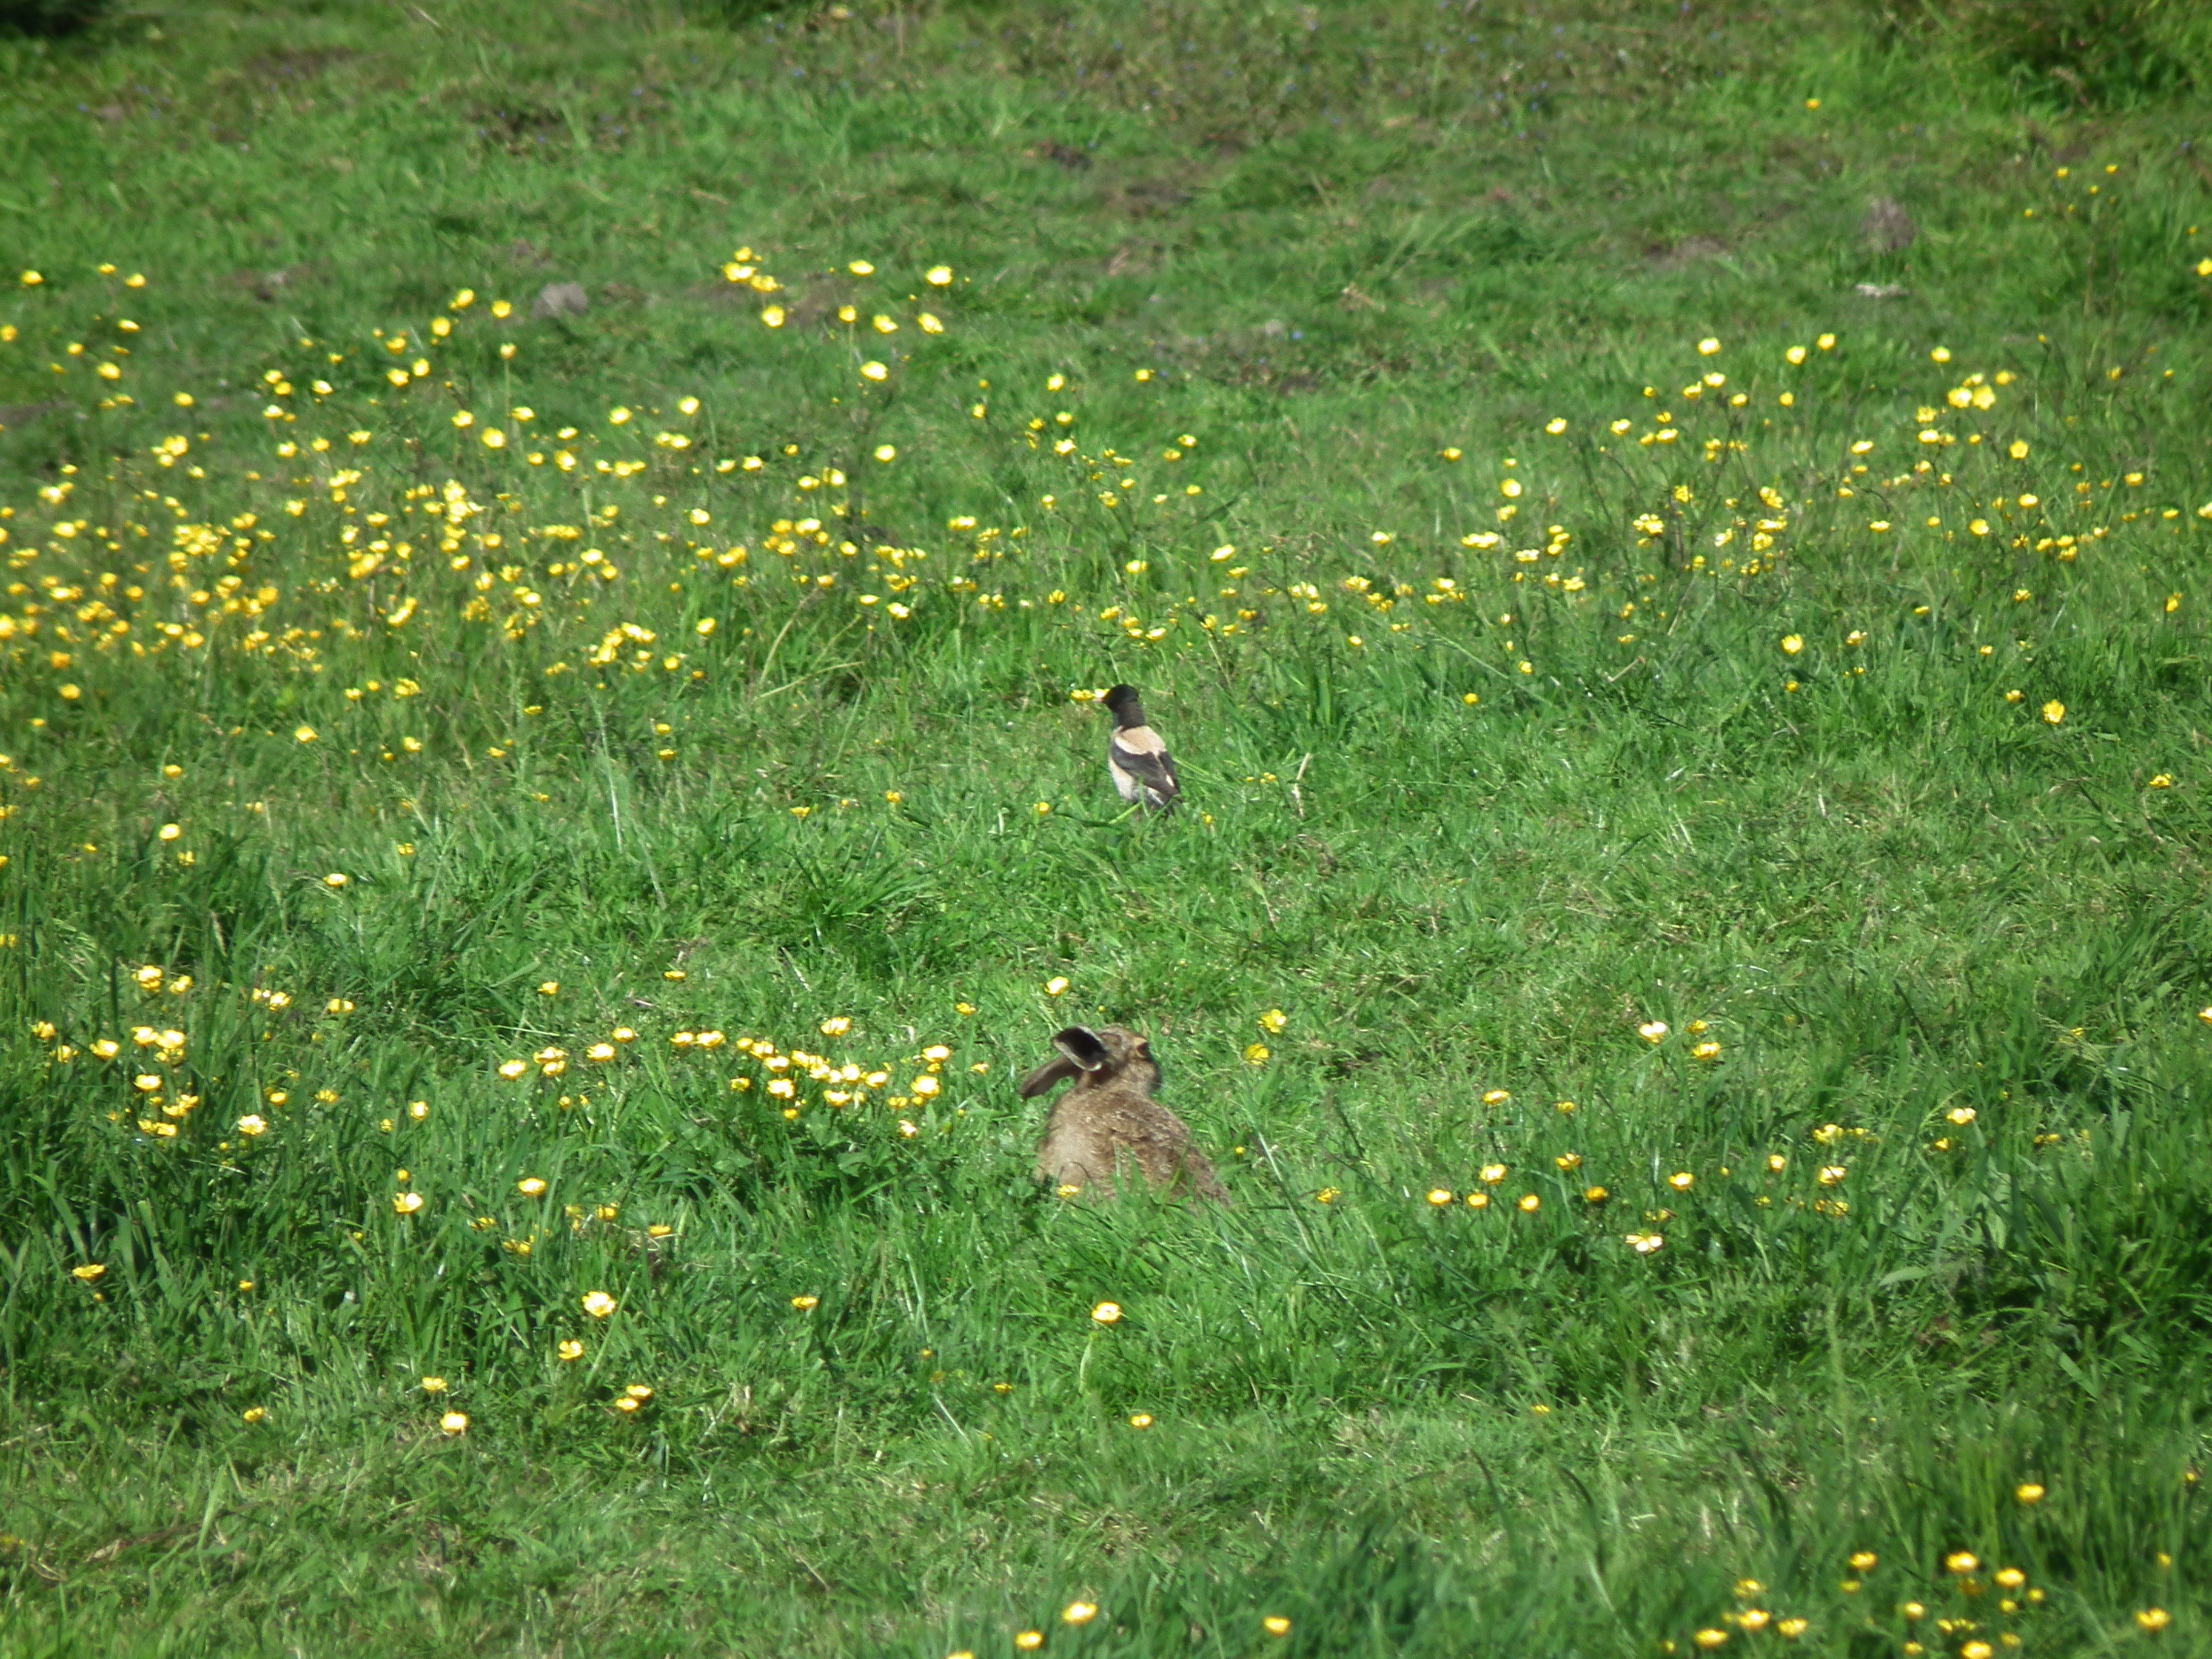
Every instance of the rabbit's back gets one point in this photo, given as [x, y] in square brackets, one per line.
[1091, 1132]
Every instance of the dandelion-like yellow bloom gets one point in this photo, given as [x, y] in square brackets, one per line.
[89, 1271]
[1530, 1204]
[1707, 346]
[434, 1385]
[253, 1124]
[1709, 1639]
[2028, 1492]
[454, 1422]
[1141, 1420]
[336, 879]
[1257, 1054]
[875, 371]
[1441, 1196]
[1107, 1313]
[1962, 1562]
[1078, 1612]
[1028, 1641]
[598, 1303]
[2053, 712]
[1056, 986]
[569, 1351]
[406, 1203]
[1653, 1031]
[2154, 1619]
[255, 1413]
[938, 275]
[1833, 1175]
[304, 734]
[806, 1303]
[1273, 1021]
[1862, 1560]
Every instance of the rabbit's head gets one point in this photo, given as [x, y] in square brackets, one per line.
[1112, 1055]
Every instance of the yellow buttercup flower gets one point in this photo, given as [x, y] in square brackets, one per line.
[598, 1303]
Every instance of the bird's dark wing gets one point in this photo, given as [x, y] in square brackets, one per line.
[1149, 764]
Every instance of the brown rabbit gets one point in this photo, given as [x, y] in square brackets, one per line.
[1110, 1117]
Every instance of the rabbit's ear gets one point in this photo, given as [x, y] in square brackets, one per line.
[1045, 1076]
[1082, 1047]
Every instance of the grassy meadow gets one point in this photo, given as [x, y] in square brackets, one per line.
[559, 562]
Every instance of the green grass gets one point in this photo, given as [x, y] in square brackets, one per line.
[1467, 814]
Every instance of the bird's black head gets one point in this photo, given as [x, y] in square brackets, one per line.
[1127, 710]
